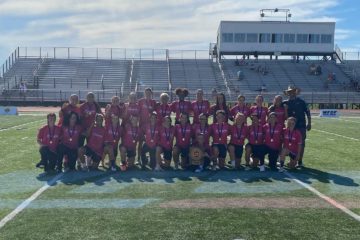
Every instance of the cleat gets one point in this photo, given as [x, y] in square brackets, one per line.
[281, 169]
[262, 168]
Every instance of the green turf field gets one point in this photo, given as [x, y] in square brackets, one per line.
[183, 205]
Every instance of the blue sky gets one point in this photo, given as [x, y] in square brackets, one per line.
[173, 24]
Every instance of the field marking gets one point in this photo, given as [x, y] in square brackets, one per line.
[26, 203]
[339, 119]
[335, 134]
[24, 124]
[324, 197]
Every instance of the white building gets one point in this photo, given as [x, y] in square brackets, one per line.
[275, 38]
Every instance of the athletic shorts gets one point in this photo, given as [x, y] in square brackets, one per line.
[257, 151]
[222, 150]
[239, 149]
[303, 135]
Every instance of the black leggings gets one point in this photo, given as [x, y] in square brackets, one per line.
[71, 154]
[152, 153]
[48, 158]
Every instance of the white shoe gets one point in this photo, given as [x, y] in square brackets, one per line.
[233, 163]
[262, 168]
[199, 169]
[281, 169]
[113, 169]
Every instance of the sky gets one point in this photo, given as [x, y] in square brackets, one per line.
[159, 24]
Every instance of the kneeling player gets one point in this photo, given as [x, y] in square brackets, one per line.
[292, 144]
[183, 133]
[273, 138]
[48, 138]
[200, 153]
[165, 146]
[90, 155]
[238, 133]
[255, 147]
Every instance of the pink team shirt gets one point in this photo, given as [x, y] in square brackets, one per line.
[256, 134]
[131, 136]
[88, 113]
[166, 137]
[197, 129]
[273, 136]
[146, 107]
[183, 135]
[113, 134]
[114, 110]
[70, 136]
[96, 140]
[66, 112]
[179, 107]
[261, 112]
[132, 109]
[162, 110]
[280, 115]
[49, 137]
[236, 109]
[292, 140]
[151, 135]
[219, 132]
[238, 134]
[199, 107]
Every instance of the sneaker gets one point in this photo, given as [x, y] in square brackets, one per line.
[158, 169]
[281, 169]
[66, 169]
[40, 165]
[232, 163]
[300, 165]
[113, 169]
[199, 169]
[176, 166]
[247, 168]
[262, 168]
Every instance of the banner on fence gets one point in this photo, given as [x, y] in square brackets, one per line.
[329, 113]
[8, 110]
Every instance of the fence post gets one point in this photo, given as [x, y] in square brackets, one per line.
[79, 95]
[54, 83]
[110, 53]
[54, 53]
[42, 95]
[87, 83]
[71, 83]
[40, 52]
[68, 53]
[60, 96]
[97, 54]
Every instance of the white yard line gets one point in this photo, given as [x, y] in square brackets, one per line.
[24, 124]
[339, 119]
[26, 203]
[335, 134]
[324, 197]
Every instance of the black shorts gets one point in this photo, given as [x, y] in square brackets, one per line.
[222, 150]
[129, 152]
[257, 151]
[90, 153]
[184, 152]
[303, 135]
[292, 155]
[239, 149]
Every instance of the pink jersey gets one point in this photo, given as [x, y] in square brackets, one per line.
[197, 129]
[219, 132]
[280, 115]
[166, 137]
[199, 107]
[113, 134]
[273, 136]
[215, 108]
[240, 109]
[151, 135]
[162, 111]
[70, 136]
[66, 110]
[146, 107]
[238, 134]
[96, 140]
[179, 107]
[261, 113]
[131, 136]
[49, 136]
[256, 134]
[132, 109]
[114, 110]
[292, 140]
[183, 135]
[88, 113]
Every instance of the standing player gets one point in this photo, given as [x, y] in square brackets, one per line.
[278, 108]
[255, 147]
[219, 133]
[181, 105]
[163, 109]
[183, 136]
[238, 133]
[48, 138]
[91, 154]
[67, 108]
[240, 107]
[116, 108]
[150, 133]
[130, 138]
[113, 133]
[200, 106]
[297, 108]
[292, 144]
[259, 109]
[220, 105]
[165, 146]
[273, 139]
[71, 132]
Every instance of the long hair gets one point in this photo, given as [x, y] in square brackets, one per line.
[67, 119]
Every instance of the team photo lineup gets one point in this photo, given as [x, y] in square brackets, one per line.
[199, 137]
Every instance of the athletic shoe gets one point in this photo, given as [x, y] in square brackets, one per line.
[199, 169]
[281, 169]
[158, 169]
[262, 168]
[40, 165]
[123, 167]
[233, 163]
[300, 165]
[176, 166]
[113, 169]
[66, 169]
[247, 168]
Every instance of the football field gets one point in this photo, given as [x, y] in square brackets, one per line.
[321, 201]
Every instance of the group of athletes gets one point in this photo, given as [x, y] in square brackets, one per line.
[84, 135]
